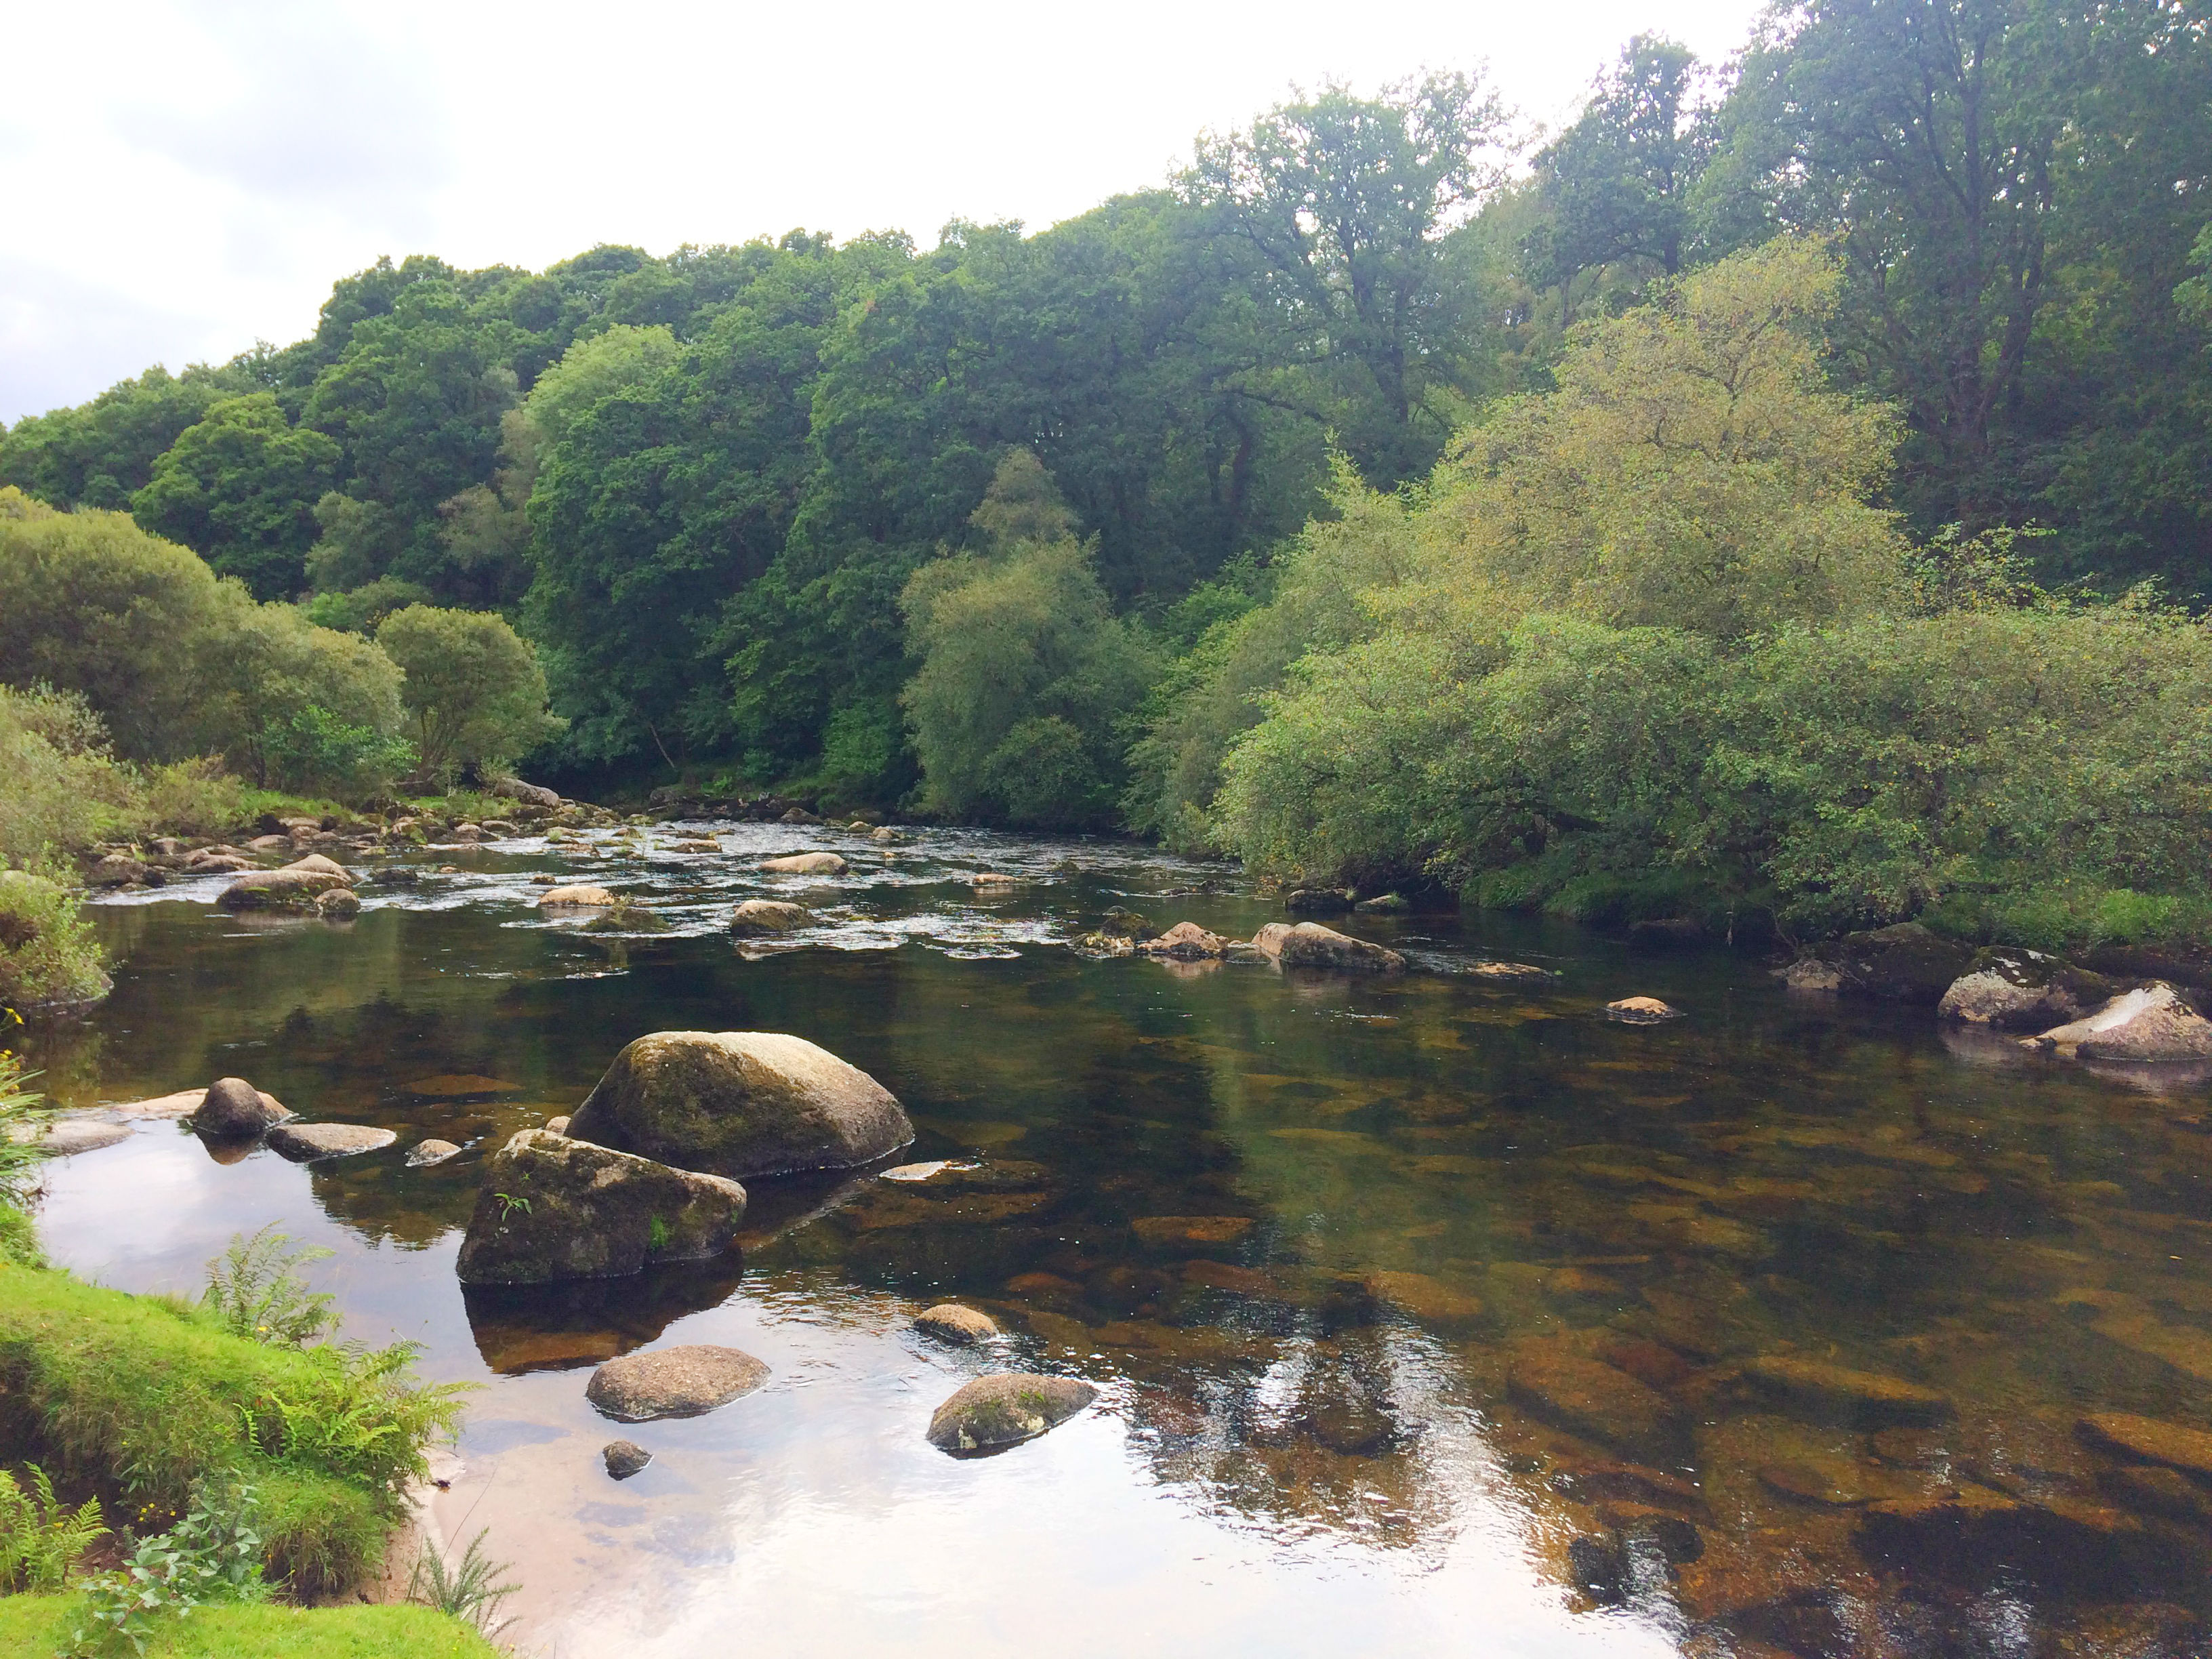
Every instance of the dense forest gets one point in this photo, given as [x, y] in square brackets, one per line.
[1740, 498]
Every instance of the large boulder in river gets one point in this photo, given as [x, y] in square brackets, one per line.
[234, 1109]
[740, 1103]
[534, 794]
[1309, 944]
[577, 896]
[2022, 990]
[2152, 1022]
[757, 916]
[553, 1208]
[291, 887]
[1904, 964]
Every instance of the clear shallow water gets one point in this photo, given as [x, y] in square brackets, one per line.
[1479, 1313]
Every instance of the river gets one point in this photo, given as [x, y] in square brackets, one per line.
[1430, 1315]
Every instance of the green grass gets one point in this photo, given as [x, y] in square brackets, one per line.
[138, 1395]
[35, 1626]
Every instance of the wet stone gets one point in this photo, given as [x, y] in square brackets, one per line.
[1006, 1409]
[1641, 1010]
[1425, 1299]
[2150, 1440]
[71, 1136]
[302, 1142]
[424, 1154]
[624, 1458]
[682, 1382]
[949, 1322]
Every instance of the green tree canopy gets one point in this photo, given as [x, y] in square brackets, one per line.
[240, 488]
[474, 693]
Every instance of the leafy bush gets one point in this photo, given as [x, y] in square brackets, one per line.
[49, 954]
[465, 1589]
[1023, 663]
[313, 750]
[41, 1537]
[22, 1118]
[211, 1556]
[474, 693]
[254, 1289]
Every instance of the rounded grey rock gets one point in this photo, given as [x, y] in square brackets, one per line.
[302, 1141]
[624, 1458]
[682, 1382]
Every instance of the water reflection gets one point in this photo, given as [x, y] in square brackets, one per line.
[1431, 1311]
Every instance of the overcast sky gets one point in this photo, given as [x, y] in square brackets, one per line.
[180, 179]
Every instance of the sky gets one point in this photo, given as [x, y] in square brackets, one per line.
[181, 179]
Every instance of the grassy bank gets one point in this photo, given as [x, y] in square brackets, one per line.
[137, 1396]
[40, 1625]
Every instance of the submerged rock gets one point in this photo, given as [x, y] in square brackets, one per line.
[1190, 1232]
[887, 837]
[623, 1458]
[740, 1103]
[554, 1208]
[1316, 902]
[758, 916]
[1386, 904]
[2149, 1440]
[1309, 944]
[2152, 1022]
[805, 864]
[948, 1321]
[1586, 1396]
[73, 1135]
[682, 1382]
[234, 1109]
[339, 904]
[1641, 1010]
[302, 1142]
[424, 1154]
[2021, 989]
[1866, 1398]
[1005, 1410]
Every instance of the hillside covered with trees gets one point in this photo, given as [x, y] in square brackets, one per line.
[1787, 489]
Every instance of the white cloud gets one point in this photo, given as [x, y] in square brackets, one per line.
[185, 178]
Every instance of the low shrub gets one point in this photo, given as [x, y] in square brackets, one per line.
[49, 954]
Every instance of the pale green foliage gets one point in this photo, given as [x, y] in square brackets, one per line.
[474, 692]
[177, 664]
[464, 1589]
[1175, 768]
[254, 1289]
[41, 1537]
[22, 1117]
[210, 1557]
[1025, 671]
[589, 370]
[49, 953]
[1655, 652]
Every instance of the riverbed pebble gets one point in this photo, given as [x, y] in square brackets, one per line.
[624, 1458]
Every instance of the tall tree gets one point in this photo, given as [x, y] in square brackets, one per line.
[1617, 183]
[240, 488]
[1344, 204]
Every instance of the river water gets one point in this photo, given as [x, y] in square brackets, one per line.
[1432, 1315]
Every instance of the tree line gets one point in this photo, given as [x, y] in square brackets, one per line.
[1000, 528]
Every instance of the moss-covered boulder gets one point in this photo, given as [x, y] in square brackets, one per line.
[1006, 1409]
[553, 1208]
[740, 1103]
[2022, 990]
[1904, 964]
[755, 917]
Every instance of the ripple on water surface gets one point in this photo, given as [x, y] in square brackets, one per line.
[1430, 1314]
